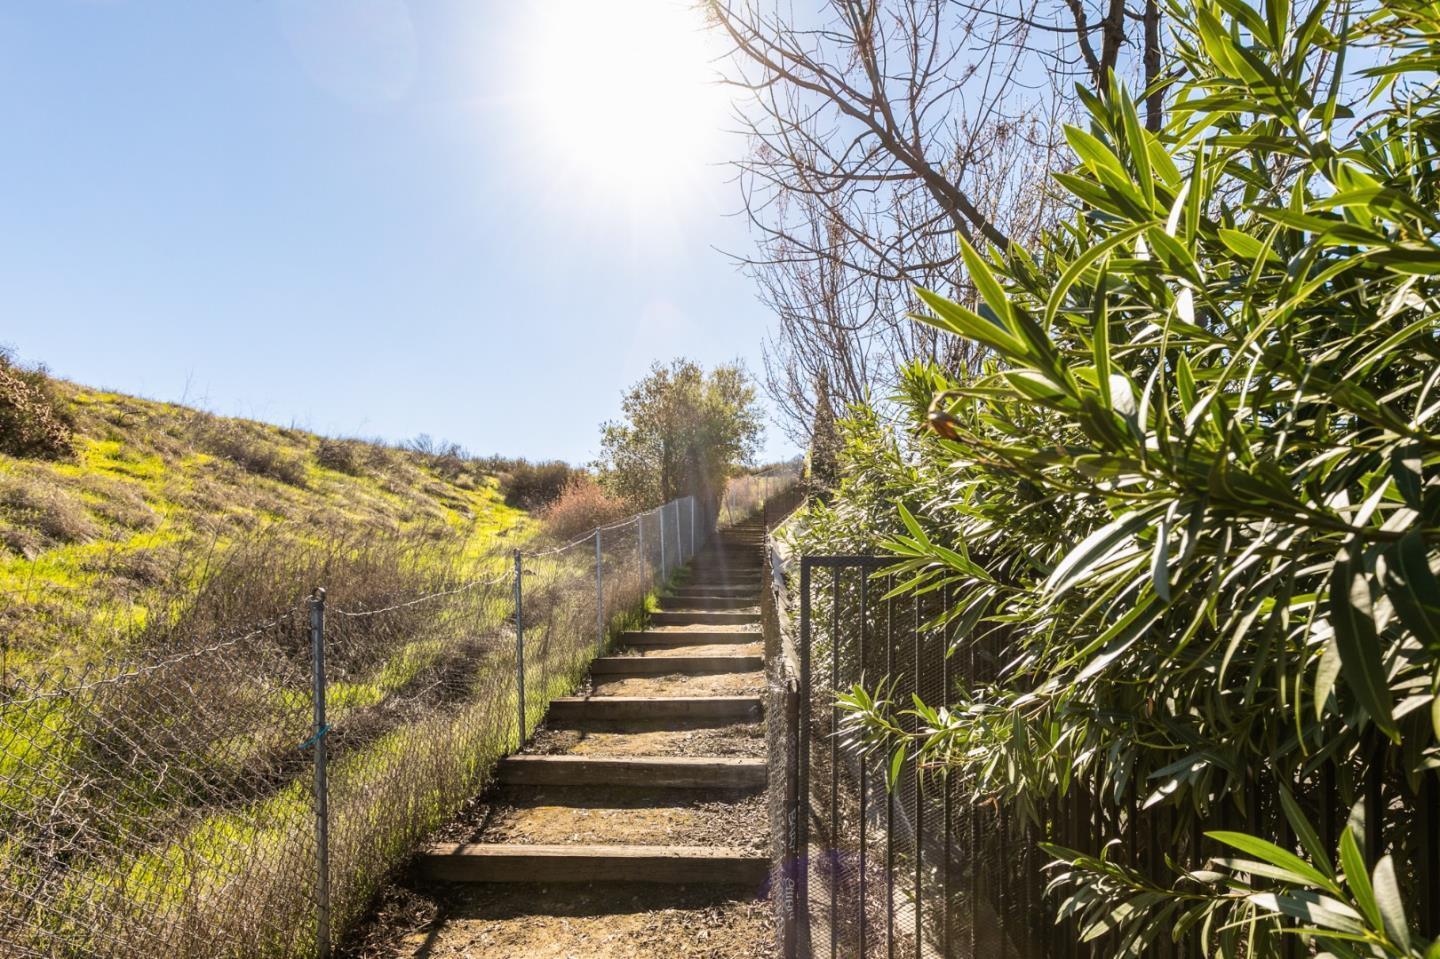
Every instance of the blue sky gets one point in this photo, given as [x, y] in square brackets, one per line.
[470, 219]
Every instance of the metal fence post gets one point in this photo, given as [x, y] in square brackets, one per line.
[694, 547]
[520, 648]
[322, 788]
[662, 543]
[802, 745]
[599, 598]
[640, 544]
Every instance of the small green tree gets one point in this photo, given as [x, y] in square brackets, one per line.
[684, 432]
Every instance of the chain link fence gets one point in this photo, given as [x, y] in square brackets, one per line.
[248, 795]
[747, 495]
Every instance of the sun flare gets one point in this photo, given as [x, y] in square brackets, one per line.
[621, 94]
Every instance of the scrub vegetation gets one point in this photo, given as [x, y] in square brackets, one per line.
[147, 505]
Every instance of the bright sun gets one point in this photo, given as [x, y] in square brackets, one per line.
[623, 95]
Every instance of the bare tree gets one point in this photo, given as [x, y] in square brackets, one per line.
[881, 129]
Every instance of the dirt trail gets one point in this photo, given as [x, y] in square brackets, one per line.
[607, 919]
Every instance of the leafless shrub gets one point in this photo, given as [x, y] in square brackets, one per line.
[448, 460]
[343, 456]
[34, 421]
[581, 507]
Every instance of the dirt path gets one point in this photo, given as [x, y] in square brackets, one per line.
[611, 917]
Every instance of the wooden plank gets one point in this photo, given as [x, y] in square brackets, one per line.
[702, 618]
[708, 602]
[683, 665]
[497, 862]
[717, 590]
[606, 708]
[678, 772]
[690, 637]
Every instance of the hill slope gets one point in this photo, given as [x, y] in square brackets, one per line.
[156, 499]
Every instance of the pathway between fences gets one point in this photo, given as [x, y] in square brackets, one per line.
[654, 774]
[249, 794]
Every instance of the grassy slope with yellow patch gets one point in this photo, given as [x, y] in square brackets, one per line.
[156, 493]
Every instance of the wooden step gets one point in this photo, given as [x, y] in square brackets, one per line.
[666, 665]
[504, 862]
[751, 585]
[702, 618]
[751, 597]
[677, 772]
[715, 589]
[692, 637]
[724, 572]
[728, 709]
[708, 602]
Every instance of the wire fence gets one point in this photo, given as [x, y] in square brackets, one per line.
[747, 494]
[249, 794]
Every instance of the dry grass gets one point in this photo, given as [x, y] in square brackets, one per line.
[39, 515]
[248, 447]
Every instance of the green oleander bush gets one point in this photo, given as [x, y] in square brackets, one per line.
[1193, 495]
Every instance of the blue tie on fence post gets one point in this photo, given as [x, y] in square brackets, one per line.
[519, 651]
[599, 598]
[322, 789]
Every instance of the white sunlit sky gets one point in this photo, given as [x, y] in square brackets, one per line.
[476, 219]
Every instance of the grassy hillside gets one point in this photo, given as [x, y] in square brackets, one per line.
[157, 712]
[108, 546]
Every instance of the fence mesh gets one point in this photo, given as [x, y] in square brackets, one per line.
[165, 804]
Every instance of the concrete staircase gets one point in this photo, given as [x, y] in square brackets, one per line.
[697, 670]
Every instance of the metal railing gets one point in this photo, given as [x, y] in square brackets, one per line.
[879, 855]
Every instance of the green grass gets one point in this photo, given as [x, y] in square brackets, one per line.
[144, 506]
